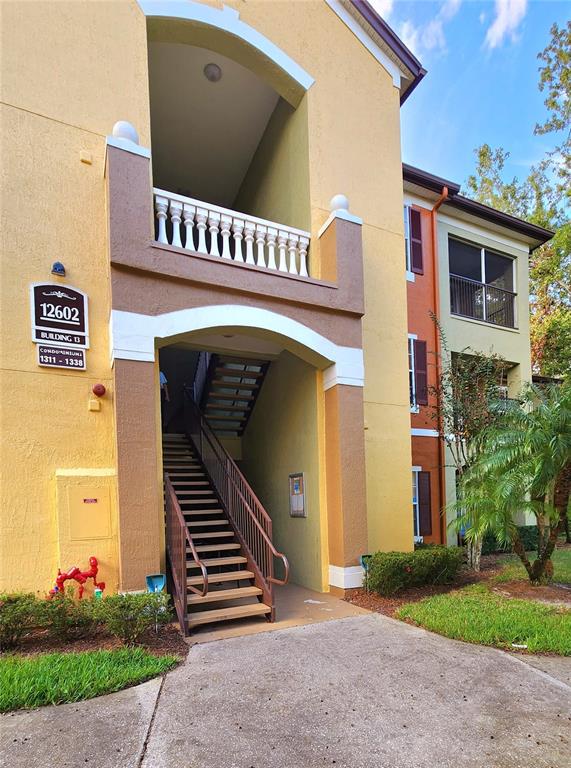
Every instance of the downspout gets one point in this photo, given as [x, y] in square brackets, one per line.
[441, 476]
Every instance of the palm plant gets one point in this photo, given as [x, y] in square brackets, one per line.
[523, 464]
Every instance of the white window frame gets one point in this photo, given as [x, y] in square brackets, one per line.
[483, 250]
[412, 337]
[418, 539]
[410, 276]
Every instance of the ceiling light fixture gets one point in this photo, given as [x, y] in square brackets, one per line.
[212, 72]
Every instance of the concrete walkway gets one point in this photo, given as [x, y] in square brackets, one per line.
[358, 692]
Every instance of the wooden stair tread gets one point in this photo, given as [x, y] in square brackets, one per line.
[180, 464]
[223, 614]
[190, 482]
[216, 547]
[232, 385]
[196, 492]
[219, 578]
[211, 535]
[215, 511]
[198, 501]
[231, 417]
[223, 407]
[193, 483]
[237, 373]
[216, 561]
[226, 396]
[197, 523]
[230, 359]
[216, 595]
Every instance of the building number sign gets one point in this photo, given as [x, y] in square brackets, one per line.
[59, 324]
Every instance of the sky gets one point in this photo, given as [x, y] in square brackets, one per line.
[482, 81]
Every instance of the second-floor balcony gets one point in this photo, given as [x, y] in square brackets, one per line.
[210, 230]
[479, 301]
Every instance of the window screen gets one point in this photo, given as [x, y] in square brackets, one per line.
[465, 260]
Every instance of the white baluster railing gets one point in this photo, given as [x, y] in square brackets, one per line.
[199, 227]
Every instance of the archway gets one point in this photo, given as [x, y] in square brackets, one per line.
[309, 423]
[239, 112]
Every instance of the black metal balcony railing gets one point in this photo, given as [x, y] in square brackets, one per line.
[469, 298]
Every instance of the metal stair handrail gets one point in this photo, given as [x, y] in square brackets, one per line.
[178, 539]
[246, 513]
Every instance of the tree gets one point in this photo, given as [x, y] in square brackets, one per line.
[465, 398]
[537, 200]
[523, 463]
[555, 80]
[543, 199]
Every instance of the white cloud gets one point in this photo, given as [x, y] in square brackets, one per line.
[383, 7]
[431, 36]
[508, 16]
[449, 9]
[408, 33]
[482, 17]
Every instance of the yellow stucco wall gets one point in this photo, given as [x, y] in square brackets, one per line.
[86, 69]
[61, 95]
[282, 437]
[276, 185]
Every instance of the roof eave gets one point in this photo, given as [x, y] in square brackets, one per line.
[535, 234]
[532, 231]
[404, 55]
[428, 180]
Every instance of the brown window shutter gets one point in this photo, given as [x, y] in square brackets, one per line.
[416, 241]
[420, 372]
[424, 505]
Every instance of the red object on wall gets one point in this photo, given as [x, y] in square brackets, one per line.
[98, 390]
[74, 574]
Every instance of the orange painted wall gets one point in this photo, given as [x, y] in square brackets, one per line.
[421, 302]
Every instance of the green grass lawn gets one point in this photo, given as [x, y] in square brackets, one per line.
[56, 678]
[477, 615]
[513, 567]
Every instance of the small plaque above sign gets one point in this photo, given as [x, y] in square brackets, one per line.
[61, 357]
[59, 315]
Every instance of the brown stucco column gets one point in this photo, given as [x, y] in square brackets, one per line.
[345, 473]
[139, 511]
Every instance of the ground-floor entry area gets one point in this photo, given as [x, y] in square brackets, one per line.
[265, 411]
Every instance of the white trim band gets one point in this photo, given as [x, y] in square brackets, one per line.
[418, 432]
[346, 578]
[132, 337]
[228, 20]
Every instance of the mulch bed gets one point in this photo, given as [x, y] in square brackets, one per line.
[167, 641]
[523, 589]
[490, 565]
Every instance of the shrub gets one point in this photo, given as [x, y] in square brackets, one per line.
[129, 616]
[68, 619]
[391, 571]
[19, 614]
[527, 533]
